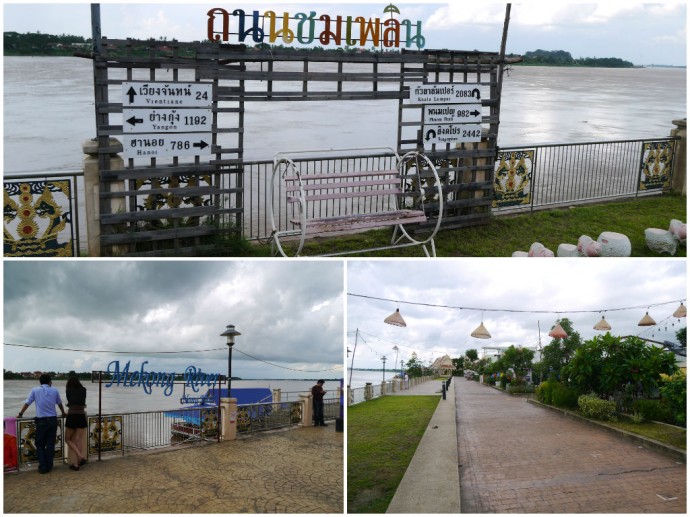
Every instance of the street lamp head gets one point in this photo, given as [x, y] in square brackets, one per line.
[230, 334]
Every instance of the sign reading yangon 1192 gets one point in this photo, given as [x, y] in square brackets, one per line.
[166, 120]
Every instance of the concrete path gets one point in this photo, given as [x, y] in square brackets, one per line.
[519, 458]
[431, 481]
[294, 471]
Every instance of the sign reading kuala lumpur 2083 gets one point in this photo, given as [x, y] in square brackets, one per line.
[307, 28]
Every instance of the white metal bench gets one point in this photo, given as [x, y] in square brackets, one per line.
[323, 201]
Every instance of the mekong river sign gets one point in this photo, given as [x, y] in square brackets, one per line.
[166, 119]
[452, 112]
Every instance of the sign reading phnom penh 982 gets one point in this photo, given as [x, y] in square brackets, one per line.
[313, 27]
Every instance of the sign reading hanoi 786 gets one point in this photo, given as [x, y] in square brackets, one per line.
[160, 145]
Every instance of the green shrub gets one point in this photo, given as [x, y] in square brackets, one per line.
[652, 410]
[544, 392]
[674, 392]
[564, 397]
[520, 388]
[593, 407]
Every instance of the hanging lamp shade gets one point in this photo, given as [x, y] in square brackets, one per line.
[481, 332]
[396, 319]
[558, 332]
[602, 325]
[646, 321]
[681, 312]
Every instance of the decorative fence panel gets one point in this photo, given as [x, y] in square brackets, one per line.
[41, 216]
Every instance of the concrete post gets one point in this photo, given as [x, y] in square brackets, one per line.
[383, 388]
[92, 183]
[679, 183]
[307, 409]
[228, 410]
[276, 394]
[393, 383]
[350, 396]
[368, 391]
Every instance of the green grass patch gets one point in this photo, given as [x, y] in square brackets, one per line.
[382, 436]
[505, 234]
[656, 431]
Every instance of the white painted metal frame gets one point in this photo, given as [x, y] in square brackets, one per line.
[404, 239]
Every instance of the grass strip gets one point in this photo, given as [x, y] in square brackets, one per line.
[656, 431]
[505, 234]
[382, 436]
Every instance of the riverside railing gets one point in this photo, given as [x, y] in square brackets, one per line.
[119, 433]
[375, 390]
[525, 178]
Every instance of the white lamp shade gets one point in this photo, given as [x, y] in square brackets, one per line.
[481, 332]
[602, 325]
[396, 319]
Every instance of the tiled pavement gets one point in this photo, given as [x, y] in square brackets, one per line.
[295, 471]
[519, 458]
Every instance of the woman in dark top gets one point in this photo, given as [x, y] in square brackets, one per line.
[75, 423]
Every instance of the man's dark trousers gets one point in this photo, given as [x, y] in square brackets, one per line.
[46, 430]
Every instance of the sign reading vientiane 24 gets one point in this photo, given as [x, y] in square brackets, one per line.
[169, 119]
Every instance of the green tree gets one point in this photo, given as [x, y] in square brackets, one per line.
[414, 366]
[610, 365]
[559, 351]
[519, 359]
[681, 336]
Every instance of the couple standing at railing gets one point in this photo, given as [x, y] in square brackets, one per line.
[46, 398]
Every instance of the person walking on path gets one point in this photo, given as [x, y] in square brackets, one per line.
[75, 424]
[46, 398]
[317, 393]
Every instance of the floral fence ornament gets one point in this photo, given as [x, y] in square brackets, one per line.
[657, 165]
[513, 178]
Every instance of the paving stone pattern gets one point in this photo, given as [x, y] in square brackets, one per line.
[519, 458]
[295, 471]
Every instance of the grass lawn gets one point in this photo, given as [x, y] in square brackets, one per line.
[382, 436]
[659, 432]
[506, 234]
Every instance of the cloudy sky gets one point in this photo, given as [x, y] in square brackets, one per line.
[499, 285]
[289, 313]
[637, 32]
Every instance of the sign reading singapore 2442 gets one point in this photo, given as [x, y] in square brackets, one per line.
[305, 28]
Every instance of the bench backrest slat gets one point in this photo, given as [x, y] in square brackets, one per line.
[346, 195]
[345, 185]
[344, 174]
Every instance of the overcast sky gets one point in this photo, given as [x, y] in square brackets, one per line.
[640, 33]
[515, 284]
[289, 313]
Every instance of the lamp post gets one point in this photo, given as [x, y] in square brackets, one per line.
[384, 368]
[230, 334]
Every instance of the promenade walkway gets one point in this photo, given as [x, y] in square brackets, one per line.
[519, 458]
[431, 481]
[294, 471]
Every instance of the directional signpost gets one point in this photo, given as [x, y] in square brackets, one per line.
[166, 119]
[452, 112]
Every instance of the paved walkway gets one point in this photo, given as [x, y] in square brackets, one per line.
[295, 471]
[431, 481]
[519, 458]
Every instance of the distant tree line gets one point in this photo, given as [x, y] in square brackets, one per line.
[38, 44]
[563, 58]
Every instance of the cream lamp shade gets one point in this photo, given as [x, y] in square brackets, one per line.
[396, 319]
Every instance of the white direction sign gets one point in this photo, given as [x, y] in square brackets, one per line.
[161, 145]
[452, 113]
[452, 133]
[444, 93]
[157, 94]
[167, 120]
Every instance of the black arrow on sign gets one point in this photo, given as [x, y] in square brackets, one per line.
[131, 93]
[134, 121]
[476, 90]
[475, 113]
[200, 145]
[430, 134]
